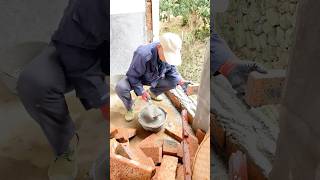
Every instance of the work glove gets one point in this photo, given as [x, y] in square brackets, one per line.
[237, 73]
[184, 84]
[145, 96]
[105, 111]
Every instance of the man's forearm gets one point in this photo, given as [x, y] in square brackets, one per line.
[220, 52]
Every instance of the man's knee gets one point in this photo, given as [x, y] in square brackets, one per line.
[32, 87]
[122, 86]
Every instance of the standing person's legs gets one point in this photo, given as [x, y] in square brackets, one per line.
[41, 88]
[123, 89]
[164, 85]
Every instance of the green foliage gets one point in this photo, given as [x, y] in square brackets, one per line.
[189, 9]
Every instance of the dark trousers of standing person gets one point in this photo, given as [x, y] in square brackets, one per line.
[42, 86]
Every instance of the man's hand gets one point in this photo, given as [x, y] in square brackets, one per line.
[184, 84]
[237, 73]
[145, 96]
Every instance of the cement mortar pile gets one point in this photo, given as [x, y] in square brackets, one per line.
[261, 31]
[255, 129]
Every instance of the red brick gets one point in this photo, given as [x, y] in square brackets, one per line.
[124, 134]
[151, 141]
[170, 147]
[180, 172]
[142, 157]
[113, 145]
[123, 168]
[156, 175]
[113, 132]
[168, 168]
[238, 166]
[136, 154]
[153, 152]
[174, 130]
[200, 135]
[180, 152]
[263, 89]
[193, 89]
[193, 146]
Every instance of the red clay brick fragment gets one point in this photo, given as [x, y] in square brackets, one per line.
[124, 134]
[265, 89]
[168, 168]
[170, 147]
[156, 175]
[180, 172]
[238, 166]
[123, 168]
[113, 145]
[113, 132]
[153, 152]
[200, 135]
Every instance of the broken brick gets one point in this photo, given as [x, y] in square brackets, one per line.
[180, 172]
[170, 147]
[113, 145]
[168, 168]
[200, 135]
[192, 89]
[193, 146]
[124, 134]
[113, 132]
[156, 175]
[153, 152]
[174, 131]
[151, 141]
[123, 168]
[180, 151]
[142, 157]
[130, 152]
[124, 150]
[238, 166]
[152, 147]
[263, 89]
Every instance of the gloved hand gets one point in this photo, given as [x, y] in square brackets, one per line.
[145, 96]
[237, 73]
[184, 84]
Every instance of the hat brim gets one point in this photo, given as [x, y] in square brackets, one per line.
[173, 58]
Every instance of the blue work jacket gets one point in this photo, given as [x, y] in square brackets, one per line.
[147, 69]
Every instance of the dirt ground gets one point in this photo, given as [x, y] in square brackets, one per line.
[24, 151]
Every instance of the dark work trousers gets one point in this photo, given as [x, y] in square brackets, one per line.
[41, 88]
[123, 89]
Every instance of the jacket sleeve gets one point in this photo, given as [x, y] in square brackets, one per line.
[136, 70]
[219, 52]
[174, 74]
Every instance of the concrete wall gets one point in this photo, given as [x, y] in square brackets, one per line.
[261, 30]
[127, 32]
[31, 20]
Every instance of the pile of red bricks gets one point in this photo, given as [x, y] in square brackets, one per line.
[154, 158]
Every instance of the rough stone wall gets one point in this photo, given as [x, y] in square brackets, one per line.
[259, 30]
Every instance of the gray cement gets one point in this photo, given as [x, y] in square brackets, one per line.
[127, 32]
[255, 129]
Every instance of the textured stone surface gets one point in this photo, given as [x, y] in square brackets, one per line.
[258, 26]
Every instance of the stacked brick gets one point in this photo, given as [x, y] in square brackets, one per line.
[261, 31]
[154, 158]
